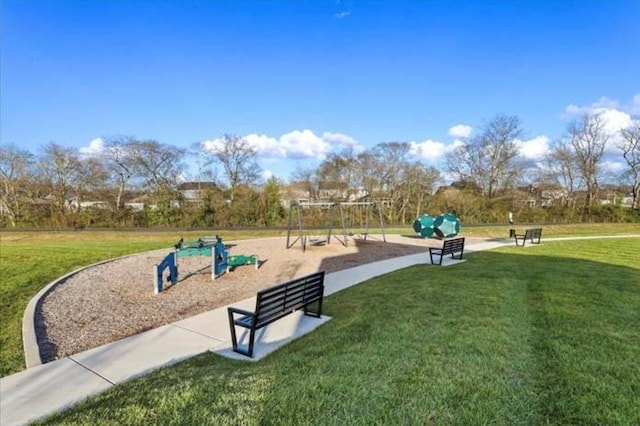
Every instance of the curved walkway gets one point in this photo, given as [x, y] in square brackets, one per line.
[45, 389]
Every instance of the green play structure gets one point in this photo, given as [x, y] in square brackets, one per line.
[221, 260]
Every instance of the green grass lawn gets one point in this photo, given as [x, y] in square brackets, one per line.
[542, 335]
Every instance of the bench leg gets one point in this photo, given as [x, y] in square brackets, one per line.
[232, 329]
[317, 313]
[234, 339]
[246, 352]
[252, 335]
[431, 253]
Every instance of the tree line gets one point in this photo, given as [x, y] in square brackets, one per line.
[489, 178]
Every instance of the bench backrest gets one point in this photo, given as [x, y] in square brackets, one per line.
[453, 246]
[533, 233]
[277, 301]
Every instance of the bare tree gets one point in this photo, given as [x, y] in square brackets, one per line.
[159, 165]
[368, 174]
[341, 170]
[307, 177]
[202, 162]
[562, 169]
[58, 166]
[239, 161]
[491, 158]
[630, 146]
[588, 138]
[89, 176]
[418, 185]
[120, 162]
[387, 174]
[15, 173]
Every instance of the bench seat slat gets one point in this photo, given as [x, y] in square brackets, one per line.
[244, 321]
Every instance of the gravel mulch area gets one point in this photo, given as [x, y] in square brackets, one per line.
[114, 300]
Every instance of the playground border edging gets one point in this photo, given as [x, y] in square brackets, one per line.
[29, 339]
[30, 345]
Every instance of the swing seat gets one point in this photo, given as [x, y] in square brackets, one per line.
[317, 241]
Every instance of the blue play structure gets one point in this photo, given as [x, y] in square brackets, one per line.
[169, 262]
[221, 261]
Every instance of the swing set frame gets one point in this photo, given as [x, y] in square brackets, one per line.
[304, 231]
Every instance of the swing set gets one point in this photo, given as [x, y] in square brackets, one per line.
[355, 219]
[305, 235]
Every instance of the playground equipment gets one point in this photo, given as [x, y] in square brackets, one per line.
[201, 247]
[424, 225]
[221, 261]
[168, 262]
[304, 231]
[355, 218]
[446, 225]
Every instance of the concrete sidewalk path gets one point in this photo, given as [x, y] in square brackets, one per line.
[39, 391]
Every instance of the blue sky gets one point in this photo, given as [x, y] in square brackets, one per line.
[301, 79]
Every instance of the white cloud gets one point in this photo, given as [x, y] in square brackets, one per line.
[96, 146]
[614, 115]
[342, 141]
[452, 147]
[601, 104]
[266, 146]
[342, 14]
[212, 145]
[427, 150]
[297, 144]
[533, 148]
[614, 119]
[613, 166]
[460, 131]
[267, 174]
[304, 144]
[573, 109]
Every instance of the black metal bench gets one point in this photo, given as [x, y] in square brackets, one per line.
[533, 234]
[451, 247]
[276, 302]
